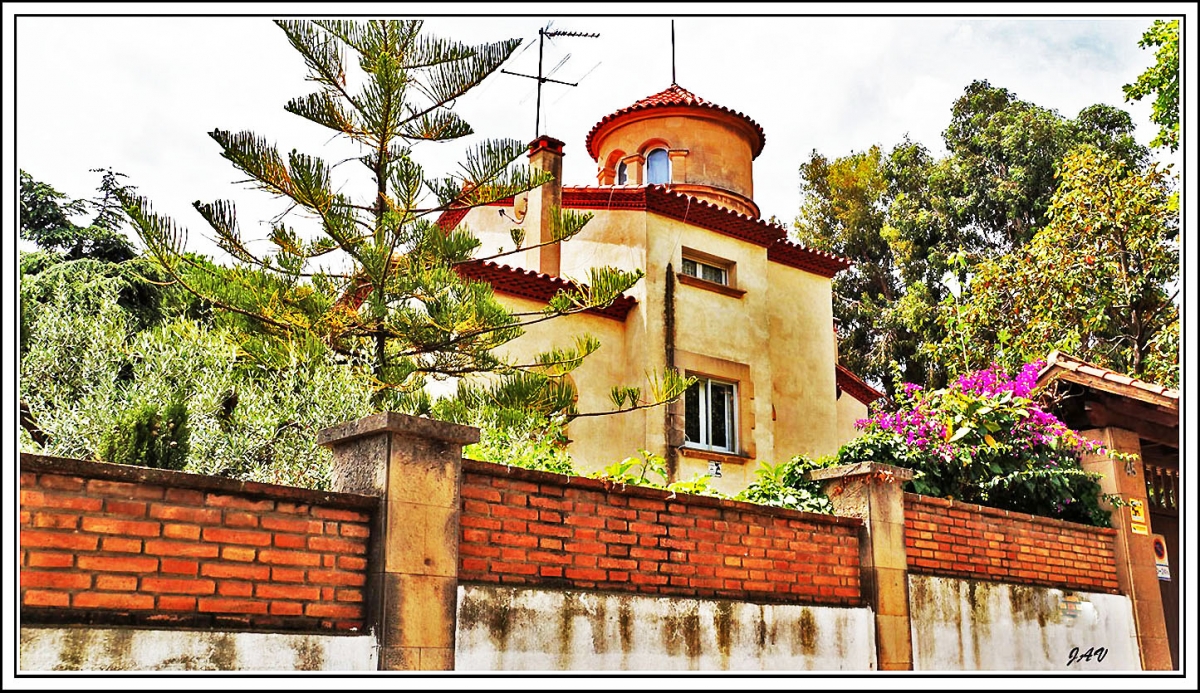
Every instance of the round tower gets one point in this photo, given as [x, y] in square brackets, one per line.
[680, 140]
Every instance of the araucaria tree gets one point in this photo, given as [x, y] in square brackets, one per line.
[393, 305]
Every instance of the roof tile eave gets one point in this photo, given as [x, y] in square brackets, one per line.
[1068, 365]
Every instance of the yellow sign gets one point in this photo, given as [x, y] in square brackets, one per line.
[1137, 512]
[1139, 528]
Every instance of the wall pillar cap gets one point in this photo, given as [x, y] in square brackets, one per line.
[395, 422]
[848, 471]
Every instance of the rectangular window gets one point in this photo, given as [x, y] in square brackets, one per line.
[710, 415]
[705, 271]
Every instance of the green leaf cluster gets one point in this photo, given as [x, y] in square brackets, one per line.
[147, 437]
[919, 227]
[1099, 280]
[1162, 81]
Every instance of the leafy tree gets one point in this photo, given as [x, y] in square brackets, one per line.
[46, 220]
[1161, 81]
[392, 304]
[875, 207]
[1099, 281]
[915, 225]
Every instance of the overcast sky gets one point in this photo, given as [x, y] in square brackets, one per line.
[139, 94]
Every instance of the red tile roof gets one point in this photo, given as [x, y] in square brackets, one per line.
[535, 286]
[854, 386]
[1061, 366]
[674, 96]
[662, 200]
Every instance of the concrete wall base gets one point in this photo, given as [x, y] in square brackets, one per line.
[130, 649]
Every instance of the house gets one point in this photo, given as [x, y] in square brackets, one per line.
[726, 297]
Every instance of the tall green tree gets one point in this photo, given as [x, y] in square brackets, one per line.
[1161, 81]
[374, 275]
[915, 224]
[46, 220]
[1099, 281]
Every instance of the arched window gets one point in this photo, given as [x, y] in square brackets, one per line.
[658, 167]
[622, 174]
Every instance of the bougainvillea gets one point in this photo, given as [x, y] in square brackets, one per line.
[983, 439]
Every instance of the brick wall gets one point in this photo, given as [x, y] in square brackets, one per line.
[964, 540]
[110, 544]
[521, 527]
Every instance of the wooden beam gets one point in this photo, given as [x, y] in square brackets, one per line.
[1101, 416]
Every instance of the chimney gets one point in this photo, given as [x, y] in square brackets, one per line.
[546, 153]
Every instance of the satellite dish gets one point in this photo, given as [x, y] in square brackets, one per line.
[520, 206]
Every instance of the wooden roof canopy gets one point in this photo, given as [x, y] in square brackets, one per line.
[1094, 397]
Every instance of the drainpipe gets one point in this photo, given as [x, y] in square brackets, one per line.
[671, 411]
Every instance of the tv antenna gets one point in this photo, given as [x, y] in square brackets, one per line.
[543, 34]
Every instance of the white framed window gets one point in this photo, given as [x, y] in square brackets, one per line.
[658, 167]
[710, 415]
[705, 271]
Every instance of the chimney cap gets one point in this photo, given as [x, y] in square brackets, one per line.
[548, 143]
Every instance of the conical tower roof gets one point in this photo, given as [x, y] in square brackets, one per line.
[674, 96]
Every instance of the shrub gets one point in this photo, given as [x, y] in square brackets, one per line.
[145, 437]
[984, 440]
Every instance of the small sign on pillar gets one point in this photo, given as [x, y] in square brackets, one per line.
[1161, 563]
[1137, 517]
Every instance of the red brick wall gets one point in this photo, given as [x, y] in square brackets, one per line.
[963, 540]
[111, 544]
[522, 527]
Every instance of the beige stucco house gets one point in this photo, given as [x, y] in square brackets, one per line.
[726, 297]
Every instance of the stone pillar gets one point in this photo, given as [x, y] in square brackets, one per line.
[546, 154]
[414, 465]
[875, 493]
[678, 165]
[635, 165]
[1136, 573]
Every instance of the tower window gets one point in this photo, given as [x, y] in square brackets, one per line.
[622, 174]
[658, 167]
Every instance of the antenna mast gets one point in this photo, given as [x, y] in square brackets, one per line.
[542, 35]
[673, 52]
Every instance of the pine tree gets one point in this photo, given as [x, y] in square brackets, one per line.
[398, 311]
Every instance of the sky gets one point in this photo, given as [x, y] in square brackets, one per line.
[139, 94]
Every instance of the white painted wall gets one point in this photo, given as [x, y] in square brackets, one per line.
[131, 649]
[966, 625]
[543, 630]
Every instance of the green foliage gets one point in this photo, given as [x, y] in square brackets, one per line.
[1162, 81]
[983, 440]
[916, 226]
[1099, 281]
[146, 437]
[785, 485]
[85, 359]
[399, 313]
[46, 220]
[636, 471]
[533, 442]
